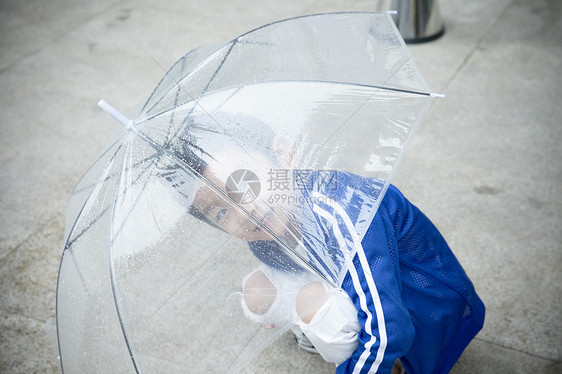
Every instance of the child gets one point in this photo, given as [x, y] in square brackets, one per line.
[412, 298]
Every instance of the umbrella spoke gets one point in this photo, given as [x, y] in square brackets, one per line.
[87, 200]
[372, 95]
[113, 282]
[104, 210]
[181, 62]
[113, 175]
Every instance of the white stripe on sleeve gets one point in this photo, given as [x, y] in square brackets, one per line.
[357, 284]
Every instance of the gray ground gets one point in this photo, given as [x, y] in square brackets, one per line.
[485, 164]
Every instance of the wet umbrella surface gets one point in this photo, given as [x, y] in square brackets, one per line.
[227, 166]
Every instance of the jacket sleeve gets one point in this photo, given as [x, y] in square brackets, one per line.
[373, 283]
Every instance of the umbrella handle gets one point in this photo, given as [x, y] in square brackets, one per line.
[120, 117]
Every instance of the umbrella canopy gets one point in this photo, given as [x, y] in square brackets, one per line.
[223, 169]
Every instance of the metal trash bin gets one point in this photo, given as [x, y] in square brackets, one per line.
[418, 21]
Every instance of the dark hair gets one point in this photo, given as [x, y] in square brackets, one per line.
[186, 153]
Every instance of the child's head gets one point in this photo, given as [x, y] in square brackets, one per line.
[230, 159]
[223, 212]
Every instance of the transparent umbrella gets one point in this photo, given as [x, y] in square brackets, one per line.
[225, 169]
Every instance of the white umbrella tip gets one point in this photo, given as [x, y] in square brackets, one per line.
[439, 95]
[120, 117]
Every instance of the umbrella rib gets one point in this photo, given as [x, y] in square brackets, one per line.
[172, 116]
[69, 243]
[178, 82]
[175, 104]
[75, 238]
[118, 232]
[234, 42]
[377, 87]
[75, 262]
[125, 219]
[182, 61]
[136, 164]
[103, 154]
[370, 97]
[112, 274]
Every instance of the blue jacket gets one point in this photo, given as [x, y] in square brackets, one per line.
[414, 300]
